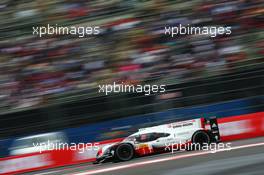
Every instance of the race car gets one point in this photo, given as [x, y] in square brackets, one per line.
[162, 138]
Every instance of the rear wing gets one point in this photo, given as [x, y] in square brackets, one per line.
[213, 127]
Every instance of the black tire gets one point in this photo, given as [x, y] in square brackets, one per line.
[200, 139]
[124, 152]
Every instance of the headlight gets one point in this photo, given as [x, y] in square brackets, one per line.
[107, 151]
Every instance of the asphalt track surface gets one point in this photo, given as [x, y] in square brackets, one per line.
[245, 158]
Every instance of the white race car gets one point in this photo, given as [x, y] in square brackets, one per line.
[162, 138]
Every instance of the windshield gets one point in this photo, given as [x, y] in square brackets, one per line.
[147, 137]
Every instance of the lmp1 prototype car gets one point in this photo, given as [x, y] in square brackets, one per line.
[161, 138]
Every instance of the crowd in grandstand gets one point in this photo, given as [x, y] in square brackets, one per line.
[131, 47]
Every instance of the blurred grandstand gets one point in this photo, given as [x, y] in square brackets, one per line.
[52, 82]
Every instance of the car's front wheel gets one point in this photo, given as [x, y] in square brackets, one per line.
[124, 152]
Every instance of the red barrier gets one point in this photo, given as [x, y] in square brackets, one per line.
[48, 159]
[231, 128]
[241, 127]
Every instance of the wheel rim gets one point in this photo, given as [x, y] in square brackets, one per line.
[202, 139]
[124, 152]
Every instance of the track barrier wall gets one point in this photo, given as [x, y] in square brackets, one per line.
[231, 128]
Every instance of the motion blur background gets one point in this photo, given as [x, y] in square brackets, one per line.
[51, 83]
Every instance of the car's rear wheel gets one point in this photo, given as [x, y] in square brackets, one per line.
[124, 152]
[200, 140]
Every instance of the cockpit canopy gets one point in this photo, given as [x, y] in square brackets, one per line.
[146, 137]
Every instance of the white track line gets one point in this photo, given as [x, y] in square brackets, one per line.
[49, 172]
[104, 170]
